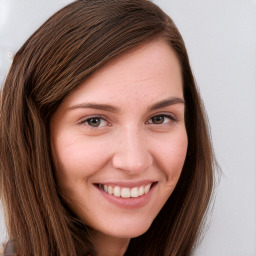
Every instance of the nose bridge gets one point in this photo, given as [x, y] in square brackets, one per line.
[131, 153]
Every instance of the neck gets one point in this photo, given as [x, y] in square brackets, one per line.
[109, 246]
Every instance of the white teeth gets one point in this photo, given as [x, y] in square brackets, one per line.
[147, 188]
[126, 192]
[134, 192]
[110, 190]
[117, 191]
[141, 191]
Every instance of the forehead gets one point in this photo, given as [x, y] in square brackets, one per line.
[151, 70]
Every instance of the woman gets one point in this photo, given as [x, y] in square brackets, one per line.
[104, 143]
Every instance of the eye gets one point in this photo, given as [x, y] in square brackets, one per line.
[161, 119]
[95, 122]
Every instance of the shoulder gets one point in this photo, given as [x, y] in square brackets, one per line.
[9, 249]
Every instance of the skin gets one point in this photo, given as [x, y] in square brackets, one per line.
[137, 140]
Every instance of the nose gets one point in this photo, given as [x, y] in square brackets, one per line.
[131, 154]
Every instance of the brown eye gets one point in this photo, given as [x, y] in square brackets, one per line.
[94, 122]
[158, 119]
[162, 120]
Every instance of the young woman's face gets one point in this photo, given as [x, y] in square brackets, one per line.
[119, 141]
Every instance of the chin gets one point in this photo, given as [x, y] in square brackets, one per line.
[129, 230]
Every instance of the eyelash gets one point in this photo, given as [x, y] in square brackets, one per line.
[171, 121]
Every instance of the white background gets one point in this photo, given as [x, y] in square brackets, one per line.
[220, 36]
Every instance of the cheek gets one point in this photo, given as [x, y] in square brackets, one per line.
[77, 158]
[171, 154]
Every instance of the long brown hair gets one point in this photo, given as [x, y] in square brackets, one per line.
[69, 47]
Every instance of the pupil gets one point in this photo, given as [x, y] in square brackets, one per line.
[158, 119]
[95, 122]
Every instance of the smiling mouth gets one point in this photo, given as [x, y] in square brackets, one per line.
[125, 192]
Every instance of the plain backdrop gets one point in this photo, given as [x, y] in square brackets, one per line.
[220, 36]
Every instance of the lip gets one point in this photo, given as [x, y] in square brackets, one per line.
[128, 203]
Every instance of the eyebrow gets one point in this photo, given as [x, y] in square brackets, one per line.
[113, 109]
[104, 107]
[166, 103]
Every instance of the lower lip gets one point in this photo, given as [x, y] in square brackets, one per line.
[129, 203]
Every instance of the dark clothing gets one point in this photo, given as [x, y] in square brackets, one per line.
[9, 249]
